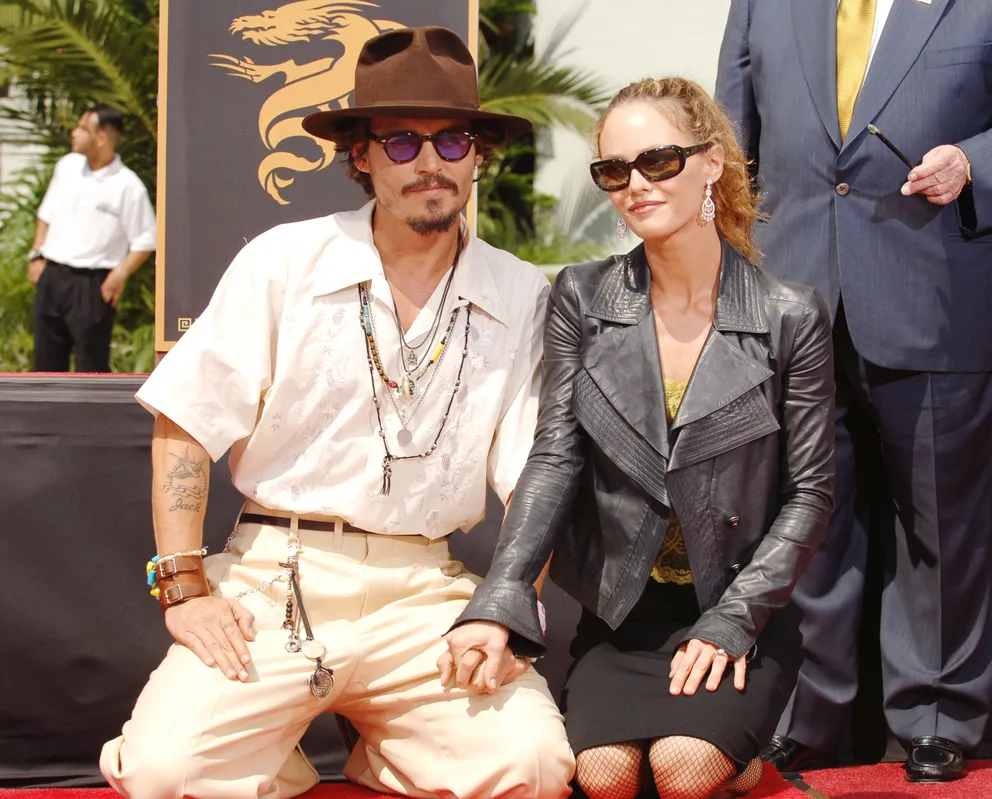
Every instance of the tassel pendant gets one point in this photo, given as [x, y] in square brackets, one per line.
[387, 476]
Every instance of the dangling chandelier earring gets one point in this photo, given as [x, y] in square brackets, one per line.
[708, 212]
[621, 229]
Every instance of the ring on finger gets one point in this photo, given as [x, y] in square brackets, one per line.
[721, 653]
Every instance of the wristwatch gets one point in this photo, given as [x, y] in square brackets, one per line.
[34, 255]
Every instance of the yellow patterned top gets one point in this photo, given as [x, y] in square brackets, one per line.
[672, 563]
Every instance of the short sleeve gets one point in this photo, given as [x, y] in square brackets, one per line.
[211, 382]
[518, 418]
[47, 207]
[138, 218]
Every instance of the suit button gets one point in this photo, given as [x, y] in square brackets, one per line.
[736, 568]
[733, 521]
[842, 189]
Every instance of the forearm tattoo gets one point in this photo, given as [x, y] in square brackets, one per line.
[186, 484]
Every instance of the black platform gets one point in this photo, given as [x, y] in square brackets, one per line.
[80, 633]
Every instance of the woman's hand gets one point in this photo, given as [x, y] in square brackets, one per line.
[478, 657]
[694, 659]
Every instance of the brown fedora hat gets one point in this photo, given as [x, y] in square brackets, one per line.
[413, 72]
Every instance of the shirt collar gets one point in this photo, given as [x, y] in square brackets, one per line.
[352, 258]
[103, 172]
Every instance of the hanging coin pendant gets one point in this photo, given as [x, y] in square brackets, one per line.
[407, 386]
[404, 437]
[314, 650]
[321, 682]
[411, 358]
[293, 644]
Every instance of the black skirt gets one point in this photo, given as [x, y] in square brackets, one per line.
[617, 687]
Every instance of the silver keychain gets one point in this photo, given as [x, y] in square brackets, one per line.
[322, 680]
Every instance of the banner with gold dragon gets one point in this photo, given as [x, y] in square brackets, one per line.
[237, 77]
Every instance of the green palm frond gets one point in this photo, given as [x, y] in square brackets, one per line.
[543, 92]
[83, 50]
[540, 88]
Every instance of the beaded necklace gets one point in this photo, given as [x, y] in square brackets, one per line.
[404, 436]
[375, 366]
[408, 385]
[409, 356]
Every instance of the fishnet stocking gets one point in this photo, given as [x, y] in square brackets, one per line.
[610, 772]
[688, 768]
[743, 783]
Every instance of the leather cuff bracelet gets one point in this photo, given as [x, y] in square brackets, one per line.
[180, 578]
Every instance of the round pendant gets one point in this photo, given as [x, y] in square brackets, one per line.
[404, 437]
[321, 683]
[314, 650]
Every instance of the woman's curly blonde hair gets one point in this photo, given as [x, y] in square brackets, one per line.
[695, 113]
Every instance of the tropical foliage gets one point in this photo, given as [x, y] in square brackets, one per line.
[63, 55]
[513, 79]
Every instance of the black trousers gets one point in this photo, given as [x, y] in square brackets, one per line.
[933, 431]
[70, 317]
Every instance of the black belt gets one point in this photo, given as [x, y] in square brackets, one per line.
[304, 524]
[79, 270]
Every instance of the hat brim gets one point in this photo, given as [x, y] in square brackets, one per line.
[336, 126]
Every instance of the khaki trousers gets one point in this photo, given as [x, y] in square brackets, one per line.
[380, 605]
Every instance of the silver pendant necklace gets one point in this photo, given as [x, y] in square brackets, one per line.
[389, 459]
[410, 360]
[407, 384]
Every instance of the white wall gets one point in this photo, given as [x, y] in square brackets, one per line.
[14, 157]
[623, 41]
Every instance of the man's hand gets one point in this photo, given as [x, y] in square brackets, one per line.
[941, 175]
[694, 659]
[478, 656]
[113, 286]
[35, 268]
[216, 630]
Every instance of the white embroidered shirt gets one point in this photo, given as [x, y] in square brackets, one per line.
[275, 369]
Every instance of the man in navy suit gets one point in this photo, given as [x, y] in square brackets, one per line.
[904, 256]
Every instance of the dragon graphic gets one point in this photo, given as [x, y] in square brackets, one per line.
[321, 84]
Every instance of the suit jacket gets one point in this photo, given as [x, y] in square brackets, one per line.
[916, 279]
[747, 463]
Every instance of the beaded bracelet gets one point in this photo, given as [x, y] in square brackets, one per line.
[155, 591]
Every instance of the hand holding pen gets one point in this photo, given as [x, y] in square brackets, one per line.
[940, 176]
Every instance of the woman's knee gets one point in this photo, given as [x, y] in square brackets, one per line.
[610, 772]
[688, 768]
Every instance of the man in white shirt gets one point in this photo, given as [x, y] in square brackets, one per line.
[369, 371]
[96, 226]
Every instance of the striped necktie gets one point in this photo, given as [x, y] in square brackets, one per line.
[855, 21]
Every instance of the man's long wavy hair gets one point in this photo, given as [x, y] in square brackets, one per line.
[695, 113]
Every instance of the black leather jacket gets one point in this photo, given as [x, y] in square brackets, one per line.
[747, 464]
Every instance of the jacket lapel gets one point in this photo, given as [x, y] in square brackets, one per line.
[815, 25]
[906, 32]
[720, 409]
[624, 362]
[621, 402]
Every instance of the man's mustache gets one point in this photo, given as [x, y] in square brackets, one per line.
[436, 182]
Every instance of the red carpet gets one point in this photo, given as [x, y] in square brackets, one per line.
[884, 781]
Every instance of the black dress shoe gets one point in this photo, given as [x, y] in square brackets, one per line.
[934, 759]
[788, 755]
